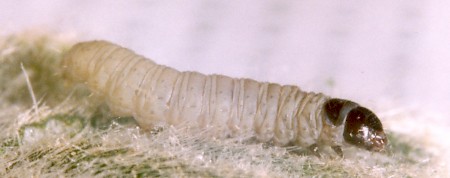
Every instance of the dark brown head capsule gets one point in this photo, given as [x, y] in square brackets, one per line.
[362, 128]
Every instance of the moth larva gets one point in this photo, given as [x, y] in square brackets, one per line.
[158, 95]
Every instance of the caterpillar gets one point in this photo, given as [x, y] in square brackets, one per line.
[157, 95]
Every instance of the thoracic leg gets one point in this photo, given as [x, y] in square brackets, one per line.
[314, 148]
[338, 150]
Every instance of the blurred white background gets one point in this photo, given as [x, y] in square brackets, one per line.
[383, 54]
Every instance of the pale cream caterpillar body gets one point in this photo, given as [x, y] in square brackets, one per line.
[157, 95]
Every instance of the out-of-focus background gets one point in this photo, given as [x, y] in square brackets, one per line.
[385, 54]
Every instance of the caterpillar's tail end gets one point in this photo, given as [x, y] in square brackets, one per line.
[73, 65]
[77, 62]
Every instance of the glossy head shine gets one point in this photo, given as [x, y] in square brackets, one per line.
[362, 128]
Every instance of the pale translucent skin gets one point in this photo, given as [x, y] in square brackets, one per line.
[157, 95]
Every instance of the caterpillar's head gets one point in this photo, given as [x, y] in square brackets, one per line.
[362, 128]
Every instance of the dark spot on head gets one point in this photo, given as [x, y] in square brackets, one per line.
[335, 107]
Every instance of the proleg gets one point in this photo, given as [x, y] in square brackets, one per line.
[157, 95]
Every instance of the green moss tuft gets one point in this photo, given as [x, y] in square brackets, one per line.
[40, 56]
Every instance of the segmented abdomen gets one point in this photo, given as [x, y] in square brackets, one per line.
[158, 95]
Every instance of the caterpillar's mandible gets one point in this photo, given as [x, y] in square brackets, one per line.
[158, 95]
